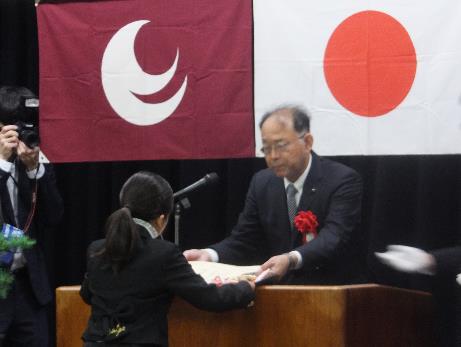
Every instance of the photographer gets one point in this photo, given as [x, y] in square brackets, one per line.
[29, 201]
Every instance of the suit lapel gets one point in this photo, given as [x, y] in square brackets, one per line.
[24, 195]
[279, 202]
[311, 184]
[309, 191]
[5, 205]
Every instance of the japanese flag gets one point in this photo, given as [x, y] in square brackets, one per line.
[379, 77]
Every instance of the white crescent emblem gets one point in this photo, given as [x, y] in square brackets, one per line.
[122, 76]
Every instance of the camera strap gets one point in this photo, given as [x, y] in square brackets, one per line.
[32, 208]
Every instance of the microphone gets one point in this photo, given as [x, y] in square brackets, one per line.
[210, 178]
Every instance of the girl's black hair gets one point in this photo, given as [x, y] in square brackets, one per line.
[144, 195]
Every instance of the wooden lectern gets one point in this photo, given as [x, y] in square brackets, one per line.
[356, 315]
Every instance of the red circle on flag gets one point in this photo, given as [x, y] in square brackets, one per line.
[370, 63]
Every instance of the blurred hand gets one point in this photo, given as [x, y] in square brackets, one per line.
[458, 279]
[197, 254]
[29, 156]
[235, 281]
[251, 283]
[276, 266]
[8, 141]
[408, 259]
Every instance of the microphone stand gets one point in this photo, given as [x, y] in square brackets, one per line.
[183, 203]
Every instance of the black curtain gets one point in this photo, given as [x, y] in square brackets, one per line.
[412, 200]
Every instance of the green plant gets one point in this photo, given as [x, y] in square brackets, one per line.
[7, 244]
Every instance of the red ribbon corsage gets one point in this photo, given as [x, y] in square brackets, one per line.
[306, 223]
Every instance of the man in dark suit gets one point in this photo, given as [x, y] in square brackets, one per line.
[29, 201]
[326, 194]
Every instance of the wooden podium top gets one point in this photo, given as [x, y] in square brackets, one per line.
[353, 315]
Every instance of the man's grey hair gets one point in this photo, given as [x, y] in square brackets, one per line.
[301, 117]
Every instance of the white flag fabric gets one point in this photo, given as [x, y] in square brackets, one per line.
[378, 77]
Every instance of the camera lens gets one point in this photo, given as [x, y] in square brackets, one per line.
[28, 134]
[30, 138]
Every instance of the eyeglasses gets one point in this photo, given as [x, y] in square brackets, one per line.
[278, 147]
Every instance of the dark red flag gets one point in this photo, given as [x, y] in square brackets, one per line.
[145, 79]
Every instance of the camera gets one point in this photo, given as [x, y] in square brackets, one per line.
[28, 134]
[19, 106]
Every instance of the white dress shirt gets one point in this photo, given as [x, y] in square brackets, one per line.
[149, 227]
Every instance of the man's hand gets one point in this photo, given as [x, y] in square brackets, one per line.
[29, 156]
[197, 254]
[277, 266]
[8, 141]
[408, 259]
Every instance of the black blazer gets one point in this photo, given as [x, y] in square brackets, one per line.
[139, 297]
[448, 261]
[333, 192]
[48, 213]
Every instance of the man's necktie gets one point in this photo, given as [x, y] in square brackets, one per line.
[291, 202]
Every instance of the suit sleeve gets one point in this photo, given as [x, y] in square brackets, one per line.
[343, 213]
[181, 280]
[246, 244]
[448, 260]
[85, 291]
[49, 201]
